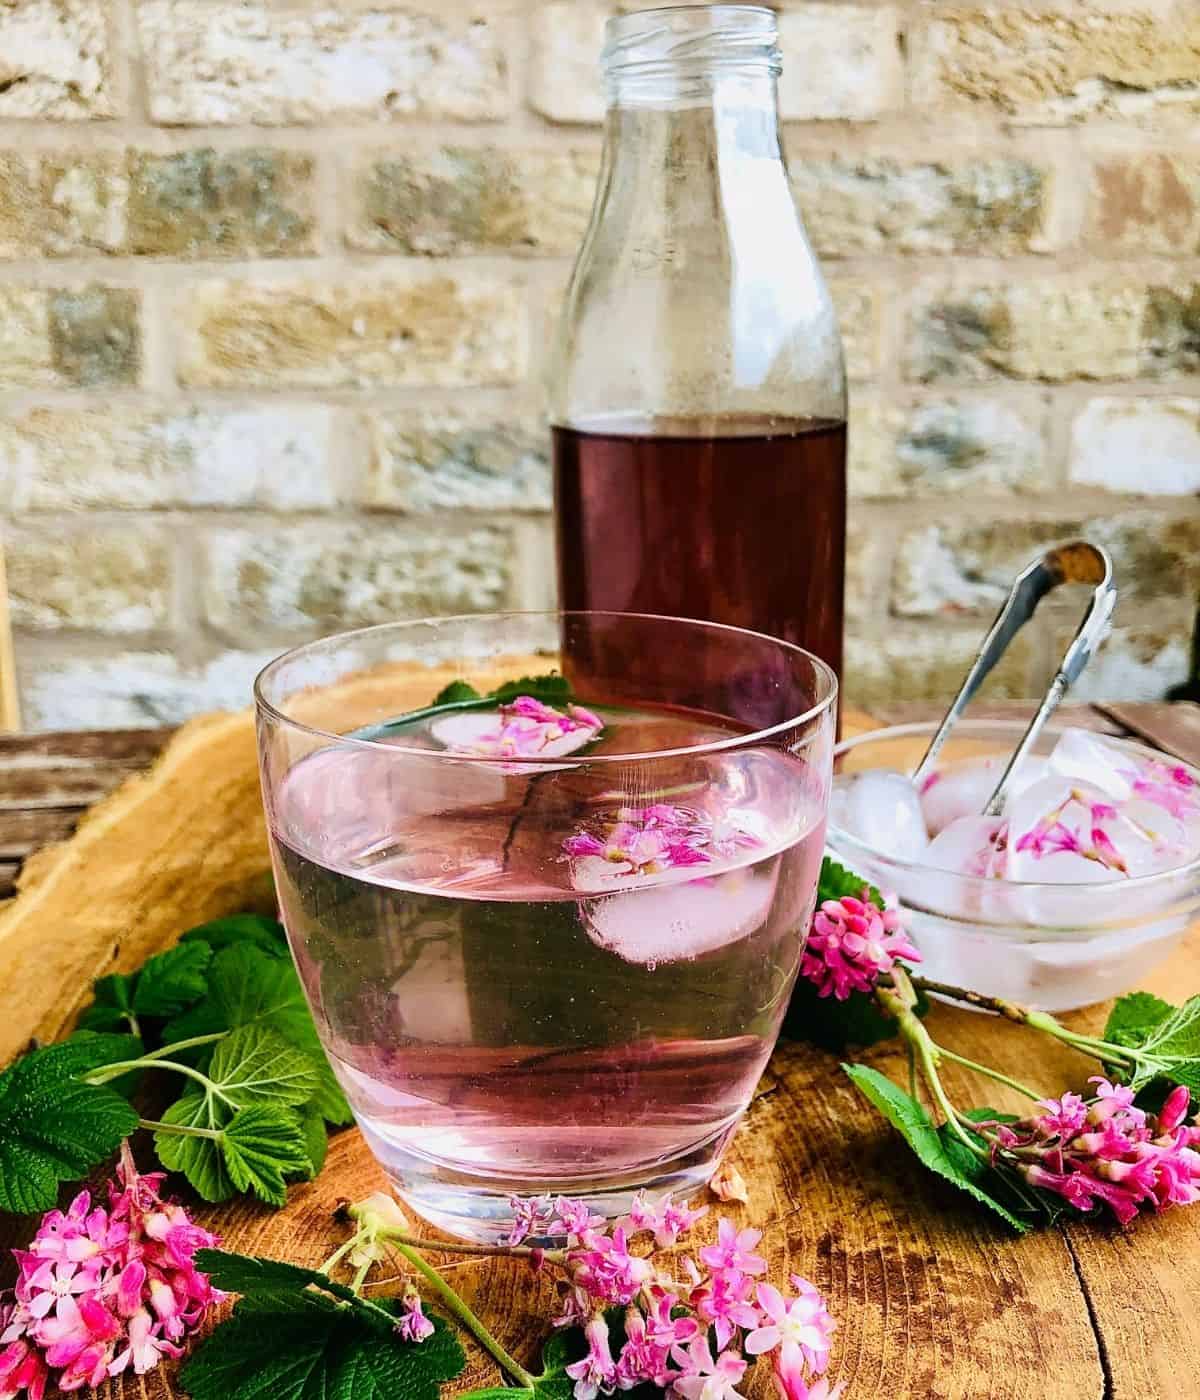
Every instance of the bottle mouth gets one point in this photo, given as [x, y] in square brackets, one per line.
[692, 39]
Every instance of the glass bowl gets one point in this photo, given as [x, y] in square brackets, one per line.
[1050, 946]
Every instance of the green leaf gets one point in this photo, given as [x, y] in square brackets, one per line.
[171, 981]
[55, 1128]
[455, 693]
[253, 929]
[1134, 1017]
[832, 1024]
[1171, 1049]
[910, 1119]
[836, 882]
[551, 689]
[246, 987]
[255, 1065]
[261, 1146]
[319, 1354]
[316, 1140]
[200, 1159]
[112, 1008]
[319, 1349]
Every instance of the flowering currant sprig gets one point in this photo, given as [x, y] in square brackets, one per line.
[693, 1331]
[1102, 1151]
[104, 1288]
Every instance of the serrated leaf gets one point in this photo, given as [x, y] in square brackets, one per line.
[910, 1119]
[53, 1127]
[112, 1009]
[255, 1065]
[1172, 1049]
[254, 930]
[455, 693]
[261, 1146]
[172, 980]
[316, 1140]
[320, 1350]
[248, 988]
[200, 1159]
[1134, 1017]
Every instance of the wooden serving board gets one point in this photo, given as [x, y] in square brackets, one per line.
[933, 1299]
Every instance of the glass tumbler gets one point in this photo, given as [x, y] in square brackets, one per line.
[547, 944]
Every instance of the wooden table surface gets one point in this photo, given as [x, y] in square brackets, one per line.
[933, 1299]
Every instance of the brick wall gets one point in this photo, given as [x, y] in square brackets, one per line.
[275, 280]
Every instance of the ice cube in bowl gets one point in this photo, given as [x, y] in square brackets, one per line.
[1050, 933]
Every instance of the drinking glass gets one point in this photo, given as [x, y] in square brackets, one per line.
[554, 963]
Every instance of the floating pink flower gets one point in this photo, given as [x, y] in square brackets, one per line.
[666, 1220]
[1167, 785]
[852, 943]
[659, 837]
[526, 727]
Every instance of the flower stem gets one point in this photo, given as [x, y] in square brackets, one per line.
[464, 1314]
[998, 1075]
[1094, 1046]
[898, 1001]
[179, 1129]
[176, 1046]
[114, 1071]
[340, 1253]
[503, 1251]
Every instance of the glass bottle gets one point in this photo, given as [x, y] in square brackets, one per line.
[698, 399]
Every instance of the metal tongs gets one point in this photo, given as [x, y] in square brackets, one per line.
[1077, 562]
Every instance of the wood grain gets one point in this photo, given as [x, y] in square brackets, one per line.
[934, 1301]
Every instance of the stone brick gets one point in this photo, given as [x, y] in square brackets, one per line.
[95, 336]
[54, 61]
[564, 81]
[866, 584]
[465, 199]
[858, 310]
[26, 357]
[20, 235]
[1148, 203]
[941, 446]
[223, 65]
[440, 461]
[1141, 661]
[929, 664]
[840, 63]
[1054, 66]
[1147, 447]
[415, 328]
[1171, 330]
[1030, 330]
[332, 576]
[953, 569]
[82, 202]
[136, 690]
[108, 579]
[206, 203]
[882, 205]
[274, 458]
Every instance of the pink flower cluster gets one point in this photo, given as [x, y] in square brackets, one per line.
[852, 943]
[101, 1290]
[527, 726]
[671, 1324]
[660, 837]
[1105, 1151]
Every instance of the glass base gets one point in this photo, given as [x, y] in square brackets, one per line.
[480, 1209]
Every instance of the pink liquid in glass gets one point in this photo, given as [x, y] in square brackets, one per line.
[507, 1019]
